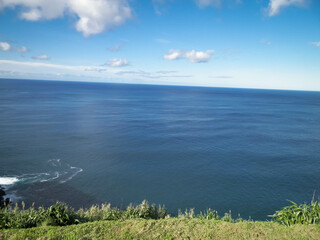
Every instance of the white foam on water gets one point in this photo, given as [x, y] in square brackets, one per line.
[78, 170]
[8, 180]
[59, 171]
[57, 175]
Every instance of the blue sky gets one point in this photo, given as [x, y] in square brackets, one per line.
[272, 44]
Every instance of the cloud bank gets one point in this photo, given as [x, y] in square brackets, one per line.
[192, 55]
[93, 16]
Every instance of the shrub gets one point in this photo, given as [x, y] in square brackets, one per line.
[61, 215]
[21, 218]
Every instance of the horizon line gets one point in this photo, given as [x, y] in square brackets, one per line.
[155, 84]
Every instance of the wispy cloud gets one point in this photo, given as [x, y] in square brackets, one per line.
[8, 67]
[95, 69]
[221, 77]
[93, 16]
[22, 49]
[41, 57]
[192, 55]
[162, 40]
[265, 42]
[115, 48]
[317, 44]
[216, 3]
[275, 6]
[153, 75]
[6, 47]
[166, 71]
[41, 64]
[206, 3]
[158, 4]
[116, 62]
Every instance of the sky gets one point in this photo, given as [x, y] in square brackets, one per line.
[268, 44]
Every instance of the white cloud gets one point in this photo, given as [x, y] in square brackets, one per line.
[41, 57]
[276, 5]
[317, 44]
[94, 16]
[174, 55]
[197, 57]
[192, 55]
[32, 15]
[115, 62]
[4, 46]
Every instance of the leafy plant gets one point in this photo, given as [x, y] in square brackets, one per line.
[298, 214]
[62, 215]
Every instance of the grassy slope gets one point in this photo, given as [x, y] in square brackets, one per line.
[167, 229]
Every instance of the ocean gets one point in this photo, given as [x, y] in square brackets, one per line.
[244, 150]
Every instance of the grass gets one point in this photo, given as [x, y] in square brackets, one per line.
[172, 228]
[61, 214]
[145, 221]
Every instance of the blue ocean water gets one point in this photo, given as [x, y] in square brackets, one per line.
[242, 150]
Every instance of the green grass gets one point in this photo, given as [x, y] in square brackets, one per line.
[145, 221]
[172, 228]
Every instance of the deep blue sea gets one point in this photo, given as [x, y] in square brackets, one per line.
[242, 150]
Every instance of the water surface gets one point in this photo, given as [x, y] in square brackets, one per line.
[242, 150]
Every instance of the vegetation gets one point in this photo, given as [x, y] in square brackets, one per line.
[146, 221]
[60, 214]
[299, 214]
[170, 228]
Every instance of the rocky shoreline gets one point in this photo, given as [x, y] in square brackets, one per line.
[3, 201]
